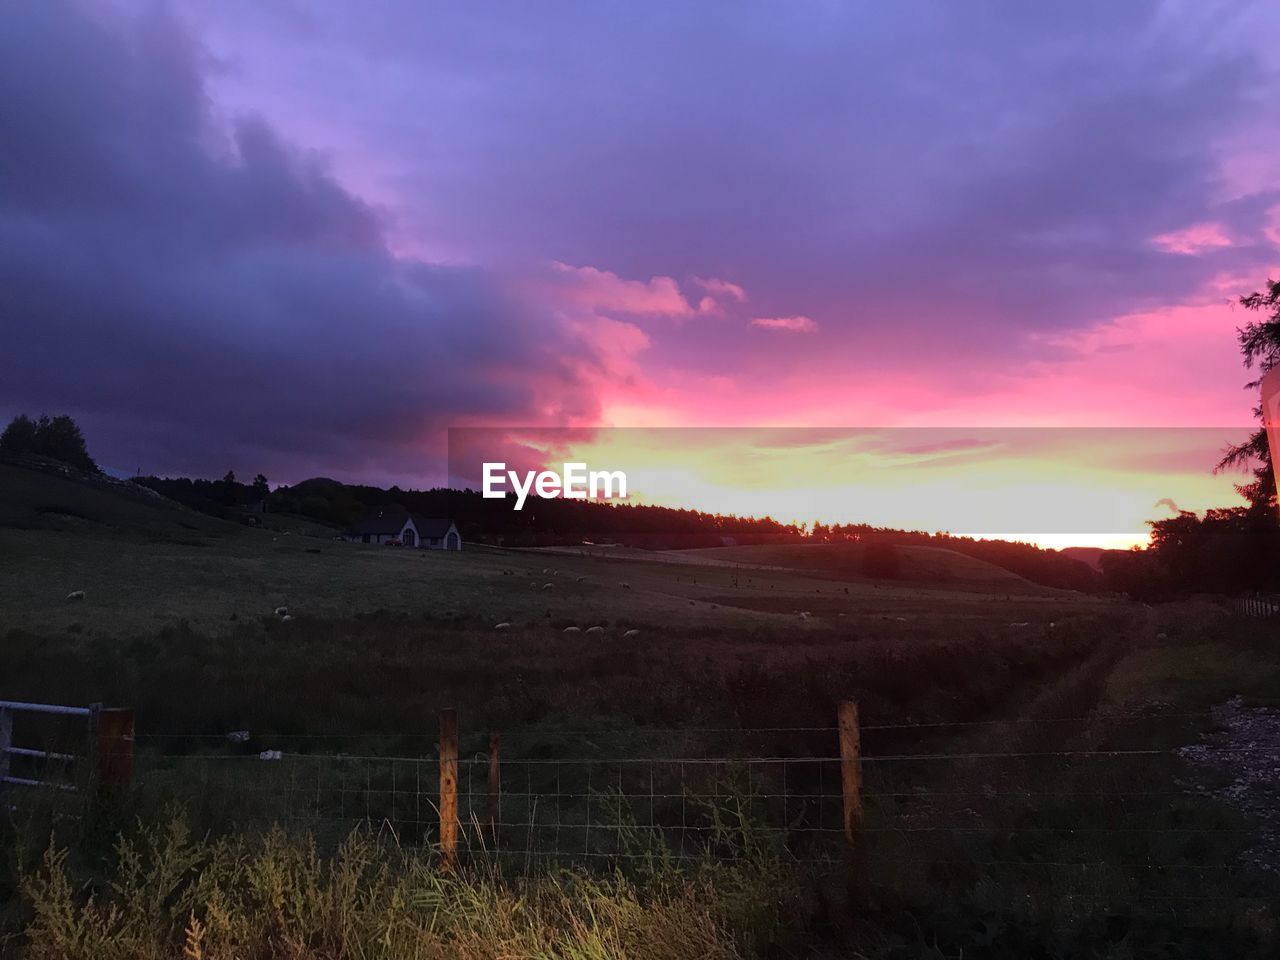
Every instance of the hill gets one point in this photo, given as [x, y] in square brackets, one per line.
[931, 566]
[36, 495]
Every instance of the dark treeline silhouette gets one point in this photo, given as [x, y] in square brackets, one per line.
[540, 523]
[222, 498]
[48, 438]
[1227, 551]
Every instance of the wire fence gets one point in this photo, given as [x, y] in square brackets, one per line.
[1120, 809]
[563, 807]
[1127, 820]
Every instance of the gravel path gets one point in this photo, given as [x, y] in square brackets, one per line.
[1245, 753]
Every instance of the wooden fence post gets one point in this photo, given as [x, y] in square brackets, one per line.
[449, 786]
[6, 741]
[850, 769]
[113, 768]
[851, 789]
[495, 785]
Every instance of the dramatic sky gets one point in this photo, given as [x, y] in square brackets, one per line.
[307, 237]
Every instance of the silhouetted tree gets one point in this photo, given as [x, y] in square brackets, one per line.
[58, 438]
[229, 489]
[260, 486]
[19, 436]
[1260, 344]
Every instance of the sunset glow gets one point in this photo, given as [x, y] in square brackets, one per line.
[396, 221]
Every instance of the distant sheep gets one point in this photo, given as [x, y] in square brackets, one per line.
[624, 585]
[580, 580]
[572, 629]
[546, 569]
[1020, 623]
[285, 618]
[282, 611]
[75, 595]
[548, 586]
[630, 634]
[805, 615]
[502, 626]
[595, 630]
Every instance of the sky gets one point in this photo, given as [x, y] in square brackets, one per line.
[309, 238]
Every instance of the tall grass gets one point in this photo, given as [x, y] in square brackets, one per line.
[168, 894]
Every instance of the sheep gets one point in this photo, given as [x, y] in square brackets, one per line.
[504, 625]
[595, 630]
[75, 595]
[805, 614]
[580, 580]
[630, 634]
[547, 586]
[572, 629]
[546, 569]
[1020, 623]
[285, 618]
[624, 585]
[282, 611]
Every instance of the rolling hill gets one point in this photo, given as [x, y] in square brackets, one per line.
[931, 566]
[38, 496]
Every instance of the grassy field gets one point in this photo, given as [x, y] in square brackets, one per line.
[965, 853]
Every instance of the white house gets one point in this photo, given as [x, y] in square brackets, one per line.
[426, 533]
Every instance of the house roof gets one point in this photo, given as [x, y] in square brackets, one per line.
[432, 526]
[391, 520]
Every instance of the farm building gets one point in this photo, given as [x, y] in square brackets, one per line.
[410, 530]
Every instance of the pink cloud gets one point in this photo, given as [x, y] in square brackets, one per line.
[605, 292]
[1193, 239]
[796, 324]
[721, 288]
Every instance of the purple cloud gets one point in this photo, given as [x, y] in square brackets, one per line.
[205, 294]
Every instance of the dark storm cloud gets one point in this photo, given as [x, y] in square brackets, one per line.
[979, 170]
[203, 295]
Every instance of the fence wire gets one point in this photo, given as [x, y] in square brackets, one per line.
[1113, 823]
